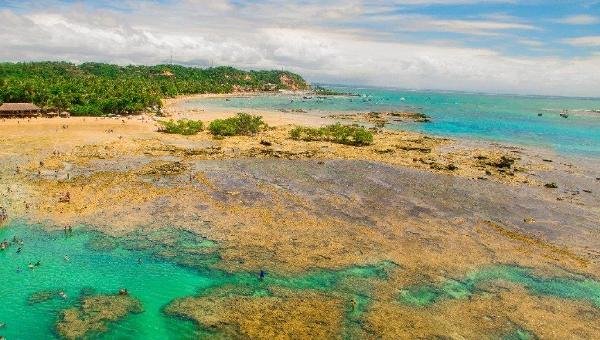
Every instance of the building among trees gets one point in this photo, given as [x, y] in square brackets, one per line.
[19, 110]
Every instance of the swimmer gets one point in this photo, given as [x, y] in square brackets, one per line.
[67, 259]
[30, 265]
[62, 295]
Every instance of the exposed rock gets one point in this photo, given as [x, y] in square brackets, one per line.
[3, 215]
[65, 198]
[94, 313]
[380, 119]
[306, 316]
[162, 168]
[505, 162]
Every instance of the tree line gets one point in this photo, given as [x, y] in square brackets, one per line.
[99, 89]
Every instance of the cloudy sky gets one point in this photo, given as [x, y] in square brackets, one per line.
[530, 47]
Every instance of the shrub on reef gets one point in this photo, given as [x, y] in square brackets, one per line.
[241, 124]
[336, 133]
[181, 127]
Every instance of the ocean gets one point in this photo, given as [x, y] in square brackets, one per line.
[533, 121]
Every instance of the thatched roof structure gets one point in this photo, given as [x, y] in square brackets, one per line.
[19, 109]
[15, 107]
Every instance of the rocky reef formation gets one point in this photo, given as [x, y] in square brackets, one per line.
[94, 313]
[380, 119]
[305, 315]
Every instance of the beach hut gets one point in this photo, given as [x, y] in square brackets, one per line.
[19, 110]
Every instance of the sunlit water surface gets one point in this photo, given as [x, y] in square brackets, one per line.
[522, 120]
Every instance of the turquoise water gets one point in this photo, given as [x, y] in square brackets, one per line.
[156, 267]
[578, 288]
[501, 118]
[163, 265]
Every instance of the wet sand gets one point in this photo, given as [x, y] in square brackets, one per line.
[291, 206]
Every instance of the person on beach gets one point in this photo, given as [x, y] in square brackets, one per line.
[261, 275]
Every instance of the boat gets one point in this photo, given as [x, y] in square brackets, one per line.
[564, 113]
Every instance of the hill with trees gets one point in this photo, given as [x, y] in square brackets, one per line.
[99, 89]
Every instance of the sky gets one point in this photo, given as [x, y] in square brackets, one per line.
[547, 47]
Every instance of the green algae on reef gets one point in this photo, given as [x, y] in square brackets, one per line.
[176, 245]
[578, 288]
[94, 313]
[43, 296]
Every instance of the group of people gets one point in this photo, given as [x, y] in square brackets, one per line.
[4, 245]
[15, 241]
[34, 265]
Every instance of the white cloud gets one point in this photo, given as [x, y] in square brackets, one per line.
[583, 19]
[473, 27]
[587, 41]
[309, 39]
[530, 42]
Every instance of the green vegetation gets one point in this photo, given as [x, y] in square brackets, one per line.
[241, 124]
[320, 90]
[336, 133]
[181, 127]
[324, 91]
[99, 89]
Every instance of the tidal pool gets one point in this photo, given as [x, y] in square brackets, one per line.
[574, 288]
[156, 268]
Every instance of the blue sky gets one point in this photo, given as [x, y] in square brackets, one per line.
[546, 47]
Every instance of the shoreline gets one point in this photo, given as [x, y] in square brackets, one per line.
[309, 118]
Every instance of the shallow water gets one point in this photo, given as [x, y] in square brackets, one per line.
[160, 266]
[156, 268]
[575, 288]
[502, 118]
